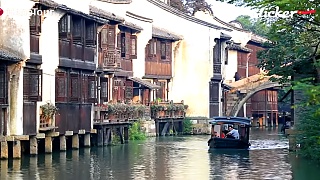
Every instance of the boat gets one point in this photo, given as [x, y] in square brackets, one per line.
[219, 138]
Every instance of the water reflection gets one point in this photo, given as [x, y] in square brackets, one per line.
[169, 158]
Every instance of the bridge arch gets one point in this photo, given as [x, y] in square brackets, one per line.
[236, 107]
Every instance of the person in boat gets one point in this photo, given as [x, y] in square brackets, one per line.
[233, 133]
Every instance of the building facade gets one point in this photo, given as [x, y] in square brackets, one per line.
[97, 52]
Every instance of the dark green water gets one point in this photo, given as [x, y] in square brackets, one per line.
[168, 158]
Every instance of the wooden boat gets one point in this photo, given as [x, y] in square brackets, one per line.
[219, 130]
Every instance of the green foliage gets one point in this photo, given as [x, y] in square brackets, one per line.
[191, 6]
[48, 110]
[254, 25]
[187, 126]
[115, 139]
[136, 133]
[293, 50]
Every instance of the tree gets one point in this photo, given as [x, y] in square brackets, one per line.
[294, 50]
[254, 25]
[191, 6]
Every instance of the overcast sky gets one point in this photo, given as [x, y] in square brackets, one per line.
[228, 12]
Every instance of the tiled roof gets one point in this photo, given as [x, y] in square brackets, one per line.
[164, 34]
[104, 14]
[144, 83]
[181, 14]
[225, 36]
[238, 48]
[6, 55]
[63, 7]
[131, 26]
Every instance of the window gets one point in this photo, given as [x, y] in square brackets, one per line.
[65, 26]
[104, 90]
[104, 37]
[111, 36]
[153, 47]
[226, 56]
[128, 90]
[161, 93]
[77, 29]
[61, 87]
[92, 89]
[3, 85]
[35, 24]
[74, 88]
[32, 84]
[123, 44]
[134, 47]
[90, 33]
[163, 50]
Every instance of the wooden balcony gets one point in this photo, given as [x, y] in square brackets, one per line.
[34, 43]
[118, 113]
[158, 68]
[168, 110]
[126, 65]
[76, 51]
[109, 60]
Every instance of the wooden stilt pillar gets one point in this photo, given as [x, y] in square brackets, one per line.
[121, 135]
[277, 119]
[4, 170]
[33, 146]
[157, 129]
[4, 150]
[105, 136]
[126, 134]
[87, 142]
[63, 143]
[75, 141]
[109, 136]
[16, 149]
[48, 144]
[100, 137]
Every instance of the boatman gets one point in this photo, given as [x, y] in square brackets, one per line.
[233, 133]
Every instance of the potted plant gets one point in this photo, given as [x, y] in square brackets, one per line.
[48, 111]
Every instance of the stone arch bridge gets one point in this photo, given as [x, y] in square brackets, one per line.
[242, 90]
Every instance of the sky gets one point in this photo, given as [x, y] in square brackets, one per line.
[228, 12]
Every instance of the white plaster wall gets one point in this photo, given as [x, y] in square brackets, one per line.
[237, 36]
[80, 5]
[231, 67]
[14, 37]
[192, 58]
[49, 49]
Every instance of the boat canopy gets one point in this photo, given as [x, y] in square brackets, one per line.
[230, 120]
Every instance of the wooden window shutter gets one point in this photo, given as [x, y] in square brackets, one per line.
[112, 37]
[84, 88]
[163, 50]
[128, 45]
[61, 87]
[128, 90]
[168, 51]
[119, 41]
[3, 85]
[123, 45]
[91, 33]
[104, 38]
[157, 49]
[65, 26]
[74, 85]
[35, 24]
[77, 29]
[92, 89]
[134, 46]
[32, 84]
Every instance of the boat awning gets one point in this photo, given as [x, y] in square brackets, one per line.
[144, 83]
[230, 120]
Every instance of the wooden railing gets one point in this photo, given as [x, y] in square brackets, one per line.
[76, 51]
[158, 68]
[109, 59]
[126, 65]
[34, 43]
[164, 110]
[111, 113]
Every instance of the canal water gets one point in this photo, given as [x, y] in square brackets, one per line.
[169, 158]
